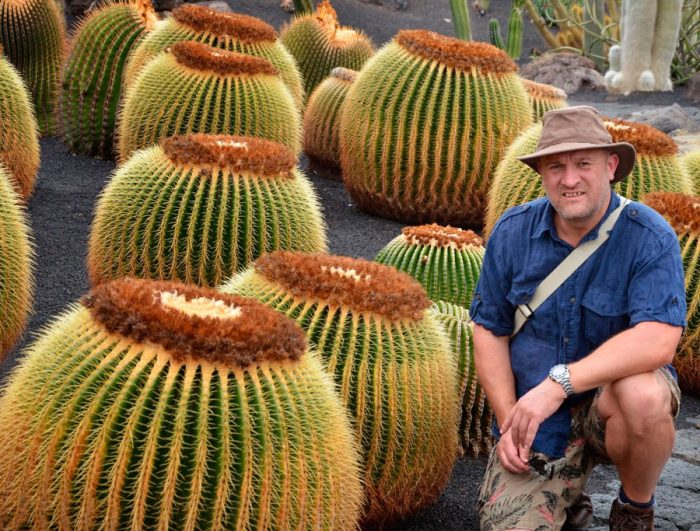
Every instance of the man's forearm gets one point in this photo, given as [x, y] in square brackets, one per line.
[492, 360]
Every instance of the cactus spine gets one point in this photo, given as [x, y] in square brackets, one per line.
[691, 163]
[161, 405]
[390, 361]
[543, 98]
[195, 88]
[91, 87]
[199, 208]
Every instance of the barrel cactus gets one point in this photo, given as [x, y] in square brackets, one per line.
[445, 260]
[91, 85]
[322, 117]
[691, 163]
[230, 31]
[543, 98]
[15, 265]
[390, 360]
[425, 124]
[658, 168]
[319, 44]
[19, 144]
[194, 88]
[681, 211]
[199, 208]
[157, 405]
[32, 32]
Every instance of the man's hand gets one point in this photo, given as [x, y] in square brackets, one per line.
[508, 454]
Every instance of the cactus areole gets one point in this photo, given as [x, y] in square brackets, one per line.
[243, 28]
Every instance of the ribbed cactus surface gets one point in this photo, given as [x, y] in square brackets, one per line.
[15, 265]
[543, 98]
[319, 44]
[199, 208]
[391, 363]
[322, 116]
[230, 31]
[658, 168]
[445, 260]
[156, 405]
[194, 88]
[681, 211]
[19, 145]
[691, 163]
[32, 32]
[91, 85]
[425, 124]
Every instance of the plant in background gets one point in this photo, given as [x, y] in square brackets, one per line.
[514, 45]
[460, 19]
[543, 98]
[32, 33]
[199, 208]
[425, 124]
[686, 61]
[319, 44]
[302, 7]
[230, 31]
[91, 84]
[194, 88]
[19, 143]
[161, 405]
[391, 363]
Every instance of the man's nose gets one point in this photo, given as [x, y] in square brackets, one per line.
[570, 176]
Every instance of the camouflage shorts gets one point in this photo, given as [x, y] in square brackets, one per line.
[537, 500]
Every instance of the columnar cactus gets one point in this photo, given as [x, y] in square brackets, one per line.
[681, 211]
[32, 32]
[199, 208]
[477, 415]
[391, 363]
[691, 163]
[157, 405]
[19, 145]
[543, 98]
[322, 116]
[230, 31]
[194, 88]
[445, 260]
[319, 44]
[425, 124]
[15, 265]
[91, 85]
[658, 168]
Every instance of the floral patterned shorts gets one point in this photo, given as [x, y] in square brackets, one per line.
[538, 500]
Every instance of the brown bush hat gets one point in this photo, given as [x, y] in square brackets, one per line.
[576, 128]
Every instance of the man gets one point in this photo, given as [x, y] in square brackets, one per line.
[586, 379]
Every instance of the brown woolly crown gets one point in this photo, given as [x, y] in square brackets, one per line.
[338, 36]
[359, 284]
[647, 140]
[199, 56]
[243, 28]
[236, 153]
[543, 91]
[148, 14]
[441, 236]
[344, 74]
[456, 53]
[193, 323]
[682, 211]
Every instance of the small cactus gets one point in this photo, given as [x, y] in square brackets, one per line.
[391, 363]
[91, 85]
[691, 163]
[543, 98]
[32, 32]
[158, 405]
[195, 88]
[445, 260]
[319, 44]
[495, 34]
[322, 117]
[514, 42]
[230, 31]
[19, 144]
[199, 208]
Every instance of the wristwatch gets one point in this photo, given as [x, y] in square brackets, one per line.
[560, 374]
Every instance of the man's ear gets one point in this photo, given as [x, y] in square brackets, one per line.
[613, 162]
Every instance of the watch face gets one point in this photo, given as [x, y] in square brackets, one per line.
[558, 371]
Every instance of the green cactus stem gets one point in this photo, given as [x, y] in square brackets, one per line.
[460, 19]
[391, 363]
[194, 88]
[199, 208]
[691, 163]
[303, 6]
[158, 405]
[424, 126]
[544, 98]
[495, 34]
[514, 43]
[230, 31]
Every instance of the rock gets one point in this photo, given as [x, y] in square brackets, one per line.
[681, 475]
[693, 90]
[166, 5]
[667, 119]
[396, 5]
[687, 445]
[567, 71]
[217, 5]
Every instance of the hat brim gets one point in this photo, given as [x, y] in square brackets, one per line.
[624, 151]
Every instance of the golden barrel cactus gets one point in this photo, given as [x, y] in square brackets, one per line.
[199, 208]
[425, 124]
[194, 88]
[543, 98]
[691, 163]
[391, 363]
[157, 405]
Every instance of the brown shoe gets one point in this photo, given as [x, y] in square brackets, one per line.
[626, 517]
[579, 515]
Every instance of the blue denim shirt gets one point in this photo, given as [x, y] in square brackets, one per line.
[637, 275]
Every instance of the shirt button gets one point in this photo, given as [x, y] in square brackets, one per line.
[572, 300]
[566, 340]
